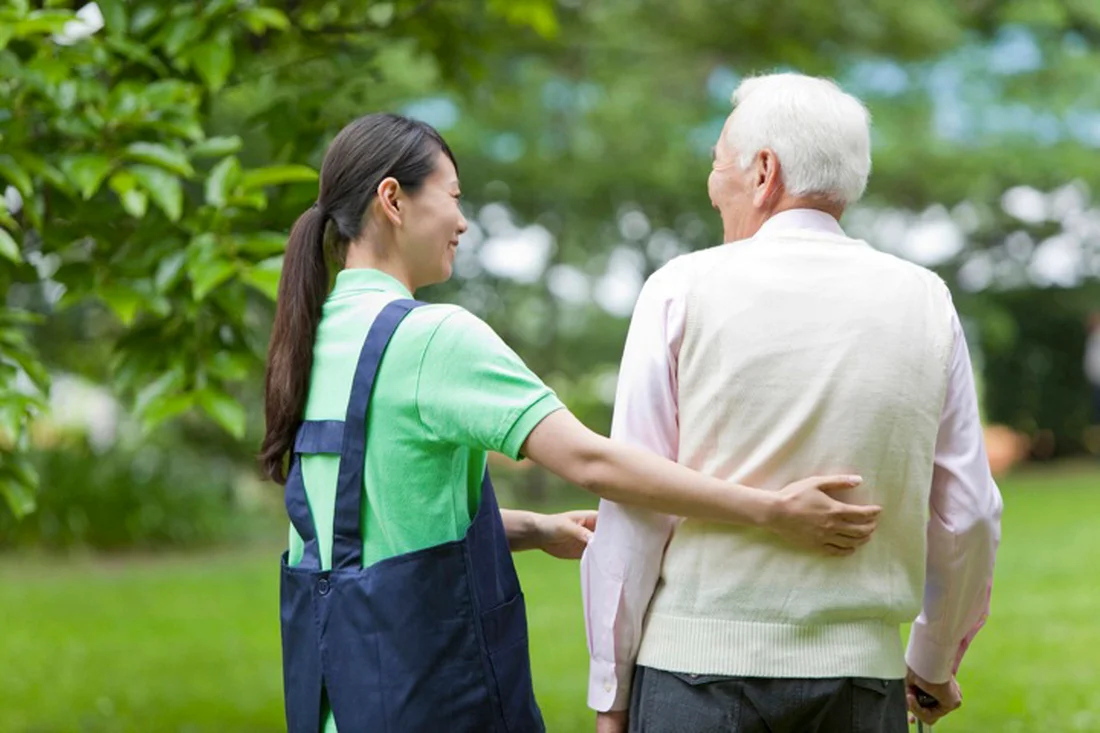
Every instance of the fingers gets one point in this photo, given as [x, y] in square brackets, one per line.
[582, 533]
[846, 542]
[853, 514]
[586, 519]
[857, 514]
[581, 518]
[946, 699]
[856, 531]
[838, 550]
[924, 715]
[566, 527]
[835, 483]
[849, 538]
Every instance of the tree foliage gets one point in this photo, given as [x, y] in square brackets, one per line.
[130, 201]
[154, 166]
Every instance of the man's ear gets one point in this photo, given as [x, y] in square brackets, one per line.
[388, 195]
[767, 178]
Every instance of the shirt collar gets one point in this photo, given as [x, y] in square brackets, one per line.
[357, 279]
[811, 219]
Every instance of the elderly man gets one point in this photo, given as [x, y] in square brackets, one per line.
[793, 350]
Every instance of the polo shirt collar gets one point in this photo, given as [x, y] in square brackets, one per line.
[359, 279]
[811, 219]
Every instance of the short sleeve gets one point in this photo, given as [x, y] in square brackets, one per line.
[473, 390]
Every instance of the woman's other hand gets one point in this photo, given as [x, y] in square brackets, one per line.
[565, 535]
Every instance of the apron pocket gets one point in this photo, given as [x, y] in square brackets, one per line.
[505, 630]
[505, 625]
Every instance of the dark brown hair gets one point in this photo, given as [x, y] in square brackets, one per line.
[362, 155]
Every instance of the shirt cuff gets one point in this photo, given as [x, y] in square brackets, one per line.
[527, 421]
[930, 659]
[609, 685]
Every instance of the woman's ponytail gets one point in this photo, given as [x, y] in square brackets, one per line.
[303, 287]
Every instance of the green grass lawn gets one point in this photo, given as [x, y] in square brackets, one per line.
[190, 643]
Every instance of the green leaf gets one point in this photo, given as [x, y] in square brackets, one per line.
[16, 176]
[207, 274]
[225, 410]
[188, 129]
[260, 19]
[216, 147]
[252, 200]
[534, 14]
[6, 219]
[222, 180]
[33, 368]
[212, 8]
[49, 174]
[161, 155]
[264, 276]
[171, 93]
[7, 32]
[232, 367]
[18, 483]
[262, 244]
[19, 7]
[34, 208]
[276, 174]
[9, 248]
[169, 270]
[14, 339]
[163, 187]
[176, 34]
[166, 407]
[14, 316]
[213, 60]
[137, 53]
[159, 389]
[134, 201]
[86, 172]
[114, 16]
[145, 17]
[43, 21]
[123, 301]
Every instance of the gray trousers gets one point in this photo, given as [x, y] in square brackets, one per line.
[670, 702]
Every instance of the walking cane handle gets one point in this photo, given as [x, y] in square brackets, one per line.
[925, 701]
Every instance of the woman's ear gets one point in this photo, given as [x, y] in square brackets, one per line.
[389, 199]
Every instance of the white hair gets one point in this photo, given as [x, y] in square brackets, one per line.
[820, 134]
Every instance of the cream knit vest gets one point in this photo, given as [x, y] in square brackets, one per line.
[804, 353]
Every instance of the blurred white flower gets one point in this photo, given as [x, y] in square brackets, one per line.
[89, 20]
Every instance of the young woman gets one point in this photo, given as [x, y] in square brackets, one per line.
[401, 609]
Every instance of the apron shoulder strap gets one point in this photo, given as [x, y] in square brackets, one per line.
[347, 540]
[314, 437]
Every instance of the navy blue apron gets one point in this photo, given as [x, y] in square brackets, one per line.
[432, 641]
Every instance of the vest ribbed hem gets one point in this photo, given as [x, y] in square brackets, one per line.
[760, 649]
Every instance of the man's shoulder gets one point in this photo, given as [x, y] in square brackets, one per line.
[910, 269]
[677, 273]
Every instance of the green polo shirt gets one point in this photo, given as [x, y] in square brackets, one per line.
[448, 391]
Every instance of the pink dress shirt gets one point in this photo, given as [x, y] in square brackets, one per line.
[621, 566]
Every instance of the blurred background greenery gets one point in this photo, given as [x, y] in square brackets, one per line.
[153, 156]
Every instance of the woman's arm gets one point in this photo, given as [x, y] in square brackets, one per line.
[802, 512]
